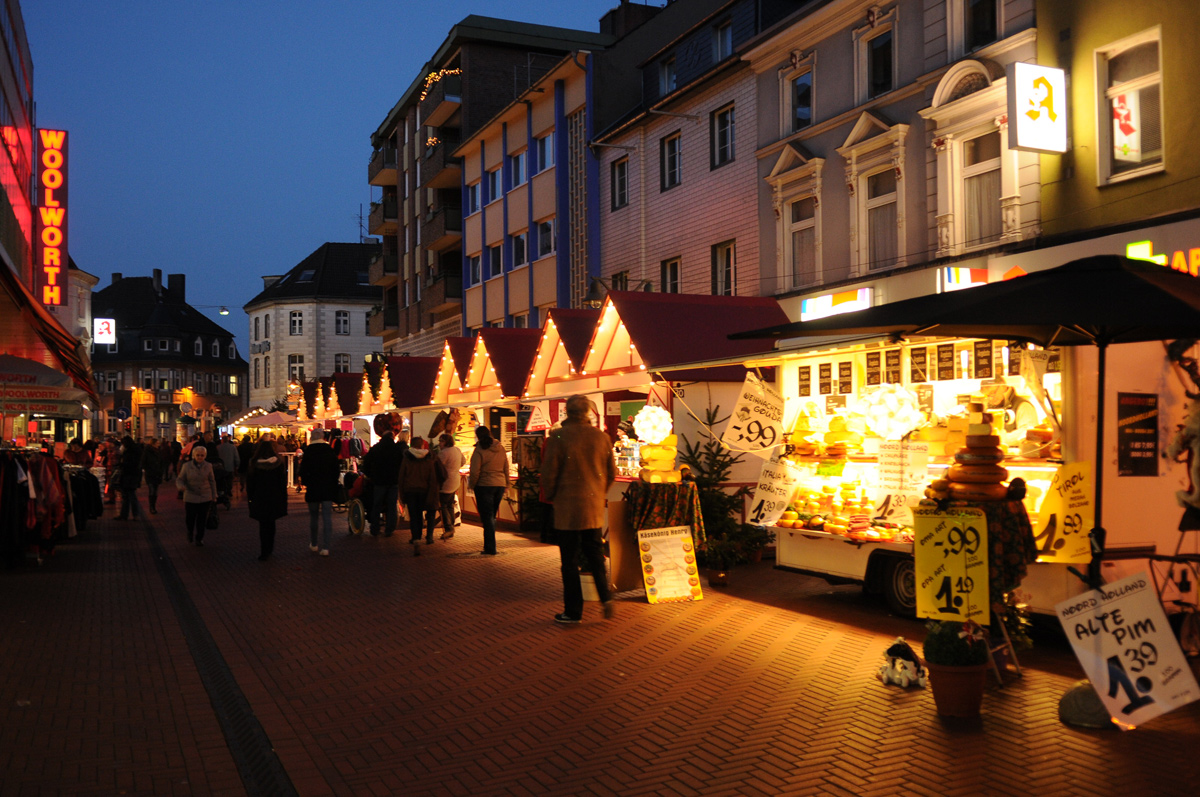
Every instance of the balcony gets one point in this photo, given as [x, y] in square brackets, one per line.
[442, 227]
[442, 99]
[443, 290]
[382, 168]
[383, 269]
[383, 217]
[383, 320]
[438, 168]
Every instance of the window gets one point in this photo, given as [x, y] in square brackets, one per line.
[147, 380]
[296, 322]
[256, 371]
[724, 269]
[233, 385]
[147, 345]
[495, 262]
[670, 161]
[722, 41]
[981, 189]
[267, 371]
[620, 281]
[493, 186]
[1130, 74]
[545, 237]
[879, 64]
[163, 380]
[407, 293]
[800, 95]
[256, 320]
[216, 348]
[112, 381]
[296, 367]
[176, 347]
[666, 76]
[474, 274]
[99, 377]
[198, 347]
[307, 274]
[472, 202]
[520, 249]
[341, 363]
[802, 241]
[722, 132]
[669, 271]
[197, 382]
[520, 321]
[362, 278]
[164, 345]
[979, 23]
[518, 166]
[341, 322]
[177, 380]
[881, 219]
[114, 425]
[619, 183]
[544, 149]
[232, 351]
[267, 325]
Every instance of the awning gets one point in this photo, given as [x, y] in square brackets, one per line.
[29, 331]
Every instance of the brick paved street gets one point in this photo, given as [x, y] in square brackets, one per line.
[376, 672]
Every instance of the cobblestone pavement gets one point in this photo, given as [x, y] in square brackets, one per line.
[133, 663]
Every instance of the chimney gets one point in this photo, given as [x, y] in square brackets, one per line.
[116, 277]
[176, 287]
[625, 17]
[157, 281]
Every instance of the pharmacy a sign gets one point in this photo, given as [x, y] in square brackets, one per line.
[1037, 108]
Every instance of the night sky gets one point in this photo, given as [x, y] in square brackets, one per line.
[228, 140]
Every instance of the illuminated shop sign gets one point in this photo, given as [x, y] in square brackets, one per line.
[835, 304]
[104, 330]
[1037, 108]
[955, 279]
[1185, 260]
[51, 244]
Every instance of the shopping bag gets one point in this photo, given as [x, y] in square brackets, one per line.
[214, 520]
[457, 511]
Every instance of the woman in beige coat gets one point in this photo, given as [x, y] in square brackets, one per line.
[488, 478]
[198, 488]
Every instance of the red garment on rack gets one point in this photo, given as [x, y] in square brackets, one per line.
[49, 509]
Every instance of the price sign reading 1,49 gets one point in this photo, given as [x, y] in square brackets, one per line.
[951, 555]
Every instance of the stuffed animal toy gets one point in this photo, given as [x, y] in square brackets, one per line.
[903, 666]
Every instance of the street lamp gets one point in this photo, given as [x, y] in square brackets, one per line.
[221, 309]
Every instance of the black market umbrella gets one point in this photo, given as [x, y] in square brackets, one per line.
[1095, 301]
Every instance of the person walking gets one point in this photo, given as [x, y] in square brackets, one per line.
[173, 452]
[266, 490]
[319, 474]
[382, 466]
[197, 487]
[245, 451]
[419, 481]
[488, 477]
[230, 462]
[153, 467]
[577, 471]
[452, 459]
[129, 478]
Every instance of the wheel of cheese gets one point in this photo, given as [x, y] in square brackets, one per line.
[979, 456]
[977, 474]
[940, 484]
[978, 492]
[982, 441]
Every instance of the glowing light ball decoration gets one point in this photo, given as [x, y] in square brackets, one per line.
[653, 426]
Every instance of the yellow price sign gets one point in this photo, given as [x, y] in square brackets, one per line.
[1066, 516]
[951, 556]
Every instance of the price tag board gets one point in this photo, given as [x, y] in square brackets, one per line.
[1121, 637]
[756, 424]
[776, 484]
[668, 559]
[1066, 516]
[951, 555]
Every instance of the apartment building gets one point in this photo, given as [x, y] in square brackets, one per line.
[482, 66]
[312, 321]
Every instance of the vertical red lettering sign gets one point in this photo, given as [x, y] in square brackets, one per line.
[50, 251]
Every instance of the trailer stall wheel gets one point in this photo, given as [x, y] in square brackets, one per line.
[900, 586]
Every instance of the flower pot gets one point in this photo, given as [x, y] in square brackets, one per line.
[755, 556]
[957, 691]
[718, 578]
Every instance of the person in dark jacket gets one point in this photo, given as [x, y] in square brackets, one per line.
[319, 475]
[153, 467]
[420, 479]
[266, 489]
[173, 454]
[130, 478]
[245, 451]
[382, 466]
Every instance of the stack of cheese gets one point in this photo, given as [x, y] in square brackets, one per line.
[1037, 441]
[976, 474]
[839, 440]
[658, 462]
[803, 438]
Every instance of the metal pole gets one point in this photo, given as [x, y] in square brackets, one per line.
[1098, 534]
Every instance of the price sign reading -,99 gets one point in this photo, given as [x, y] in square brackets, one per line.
[951, 555]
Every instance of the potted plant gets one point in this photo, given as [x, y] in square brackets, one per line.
[956, 655]
[719, 555]
[753, 539]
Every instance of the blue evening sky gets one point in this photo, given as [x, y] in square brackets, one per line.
[227, 140]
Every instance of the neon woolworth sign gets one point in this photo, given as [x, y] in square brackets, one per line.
[51, 246]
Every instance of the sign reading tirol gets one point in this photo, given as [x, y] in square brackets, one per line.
[50, 252]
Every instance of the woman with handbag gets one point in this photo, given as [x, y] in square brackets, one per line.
[198, 488]
[266, 489]
[488, 479]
